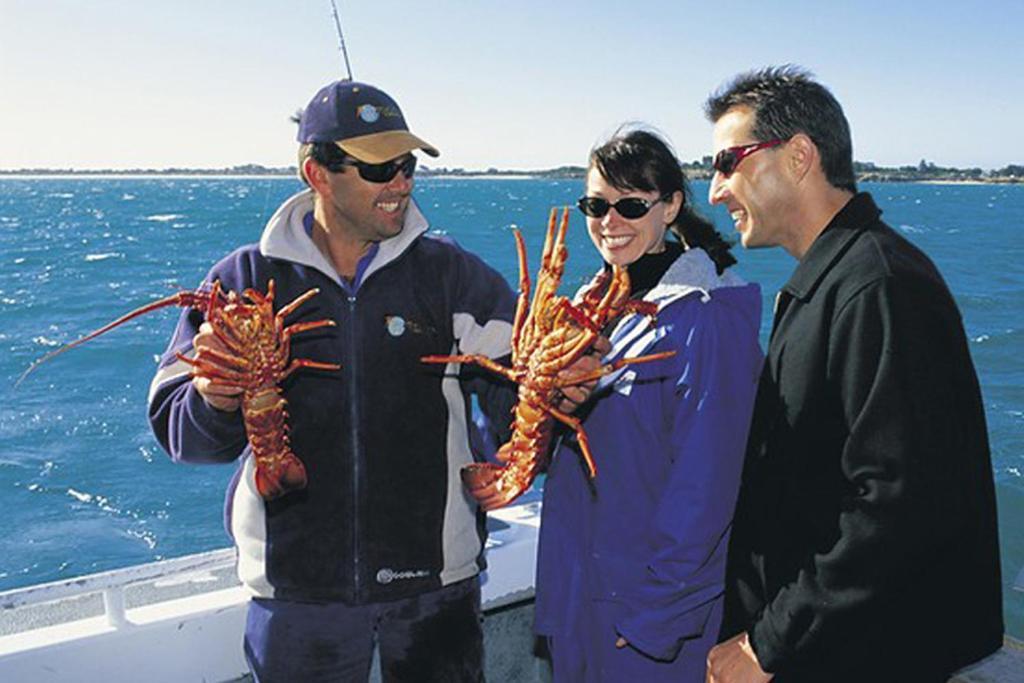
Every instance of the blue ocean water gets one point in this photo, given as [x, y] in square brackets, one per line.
[85, 486]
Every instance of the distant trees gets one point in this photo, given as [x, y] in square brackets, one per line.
[695, 170]
[1011, 171]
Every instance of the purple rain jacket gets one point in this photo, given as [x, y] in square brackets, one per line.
[640, 550]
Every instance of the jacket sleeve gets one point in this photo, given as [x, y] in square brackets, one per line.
[184, 425]
[897, 363]
[718, 358]
[482, 322]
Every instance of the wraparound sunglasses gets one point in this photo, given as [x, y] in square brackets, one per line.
[379, 173]
[729, 158]
[627, 207]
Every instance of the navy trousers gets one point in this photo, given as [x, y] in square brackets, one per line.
[436, 636]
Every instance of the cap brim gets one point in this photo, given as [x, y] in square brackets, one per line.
[377, 148]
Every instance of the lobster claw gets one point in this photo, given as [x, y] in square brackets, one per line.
[275, 480]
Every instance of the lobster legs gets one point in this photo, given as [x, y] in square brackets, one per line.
[256, 360]
[549, 335]
[256, 347]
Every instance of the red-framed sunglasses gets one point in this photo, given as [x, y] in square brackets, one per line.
[729, 158]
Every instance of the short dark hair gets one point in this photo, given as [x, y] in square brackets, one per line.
[327, 154]
[786, 100]
[638, 159]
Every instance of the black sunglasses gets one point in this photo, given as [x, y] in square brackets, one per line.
[377, 173]
[627, 207]
[729, 158]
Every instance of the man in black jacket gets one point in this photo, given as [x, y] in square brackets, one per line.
[864, 545]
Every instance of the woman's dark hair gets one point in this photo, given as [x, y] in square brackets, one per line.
[637, 159]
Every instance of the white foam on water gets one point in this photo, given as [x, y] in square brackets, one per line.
[78, 495]
[45, 341]
[164, 217]
[103, 257]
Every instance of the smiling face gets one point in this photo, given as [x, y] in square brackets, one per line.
[622, 241]
[758, 194]
[366, 211]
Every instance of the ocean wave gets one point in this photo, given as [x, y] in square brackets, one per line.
[147, 537]
[45, 341]
[104, 256]
[164, 217]
[79, 496]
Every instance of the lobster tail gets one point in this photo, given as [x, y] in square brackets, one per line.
[494, 486]
[276, 479]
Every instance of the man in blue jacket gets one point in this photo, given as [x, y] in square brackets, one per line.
[864, 544]
[383, 544]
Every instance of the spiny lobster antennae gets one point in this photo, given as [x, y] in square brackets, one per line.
[180, 299]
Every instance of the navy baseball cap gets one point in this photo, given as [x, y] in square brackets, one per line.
[360, 119]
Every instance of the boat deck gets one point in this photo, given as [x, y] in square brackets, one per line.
[182, 620]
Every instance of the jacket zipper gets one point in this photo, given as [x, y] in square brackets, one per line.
[356, 455]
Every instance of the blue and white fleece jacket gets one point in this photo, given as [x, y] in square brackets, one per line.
[384, 515]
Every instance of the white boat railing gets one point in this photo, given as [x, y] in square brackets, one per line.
[113, 583]
[182, 619]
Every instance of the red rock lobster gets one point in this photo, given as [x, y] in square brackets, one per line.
[260, 347]
[548, 335]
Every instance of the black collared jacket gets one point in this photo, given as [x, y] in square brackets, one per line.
[864, 545]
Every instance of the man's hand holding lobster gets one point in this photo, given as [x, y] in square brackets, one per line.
[216, 394]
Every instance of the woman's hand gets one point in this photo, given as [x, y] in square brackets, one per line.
[575, 395]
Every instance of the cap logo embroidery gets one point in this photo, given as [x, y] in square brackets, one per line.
[368, 113]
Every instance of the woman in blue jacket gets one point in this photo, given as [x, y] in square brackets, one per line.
[631, 564]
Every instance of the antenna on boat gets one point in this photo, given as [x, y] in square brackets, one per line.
[341, 39]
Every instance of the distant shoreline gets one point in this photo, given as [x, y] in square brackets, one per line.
[698, 170]
[142, 175]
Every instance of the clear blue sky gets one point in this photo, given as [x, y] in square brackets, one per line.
[517, 84]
